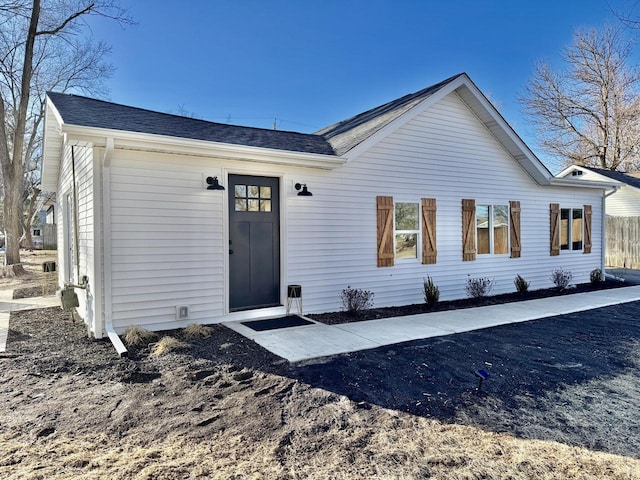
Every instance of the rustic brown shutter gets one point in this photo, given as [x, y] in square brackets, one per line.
[429, 251]
[554, 219]
[587, 229]
[514, 226]
[385, 231]
[468, 230]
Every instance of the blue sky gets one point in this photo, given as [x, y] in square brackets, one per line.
[307, 63]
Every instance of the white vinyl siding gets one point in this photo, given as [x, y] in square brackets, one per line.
[445, 153]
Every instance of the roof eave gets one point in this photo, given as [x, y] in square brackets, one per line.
[580, 183]
[127, 140]
[51, 148]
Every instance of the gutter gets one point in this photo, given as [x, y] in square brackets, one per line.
[605, 195]
[106, 249]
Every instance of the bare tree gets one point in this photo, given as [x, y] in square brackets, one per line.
[42, 47]
[588, 112]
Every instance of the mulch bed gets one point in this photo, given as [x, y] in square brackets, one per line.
[332, 318]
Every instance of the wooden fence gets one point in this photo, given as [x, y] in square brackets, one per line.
[623, 242]
[49, 236]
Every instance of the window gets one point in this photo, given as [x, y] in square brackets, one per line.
[492, 229]
[571, 229]
[407, 230]
[252, 198]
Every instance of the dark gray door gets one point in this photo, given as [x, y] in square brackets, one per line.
[254, 242]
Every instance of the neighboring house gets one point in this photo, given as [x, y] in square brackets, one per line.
[435, 183]
[625, 202]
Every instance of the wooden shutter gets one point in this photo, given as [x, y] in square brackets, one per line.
[429, 251]
[385, 231]
[514, 227]
[554, 219]
[587, 229]
[468, 230]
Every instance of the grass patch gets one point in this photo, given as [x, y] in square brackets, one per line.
[167, 345]
[138, 337]
[196, 331]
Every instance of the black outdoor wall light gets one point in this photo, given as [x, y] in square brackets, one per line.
[213, 184]
[304, 192]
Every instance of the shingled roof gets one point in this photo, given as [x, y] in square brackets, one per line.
[333, 140]
[89, 112]
[345, 135]
[618, 176]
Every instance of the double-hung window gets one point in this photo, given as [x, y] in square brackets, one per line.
[492, 229]
[407, 230]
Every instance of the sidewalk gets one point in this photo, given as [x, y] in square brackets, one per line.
[8, 305]
[298, 344]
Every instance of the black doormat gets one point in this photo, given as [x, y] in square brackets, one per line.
[275, 323]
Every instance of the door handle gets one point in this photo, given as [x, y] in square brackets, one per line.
[230, 252]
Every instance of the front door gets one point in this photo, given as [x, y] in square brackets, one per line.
[254, 242]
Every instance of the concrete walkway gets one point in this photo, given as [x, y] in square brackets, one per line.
[297, 344]
[8, 305]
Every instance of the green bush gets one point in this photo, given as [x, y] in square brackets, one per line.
[431, 292]
[522, 286]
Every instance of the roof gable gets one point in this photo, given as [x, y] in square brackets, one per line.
[345, 135]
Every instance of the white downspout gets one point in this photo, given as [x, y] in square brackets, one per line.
[603, 248]
[106, 249]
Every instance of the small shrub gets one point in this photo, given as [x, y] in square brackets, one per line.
[561, 278]
[479, 287]
[167, 345]
[138, 337]
[522, 286]
[596, 276]
[195, 330]
[355, 300]
[431, 292]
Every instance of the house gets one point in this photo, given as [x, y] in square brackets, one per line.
[167, 220]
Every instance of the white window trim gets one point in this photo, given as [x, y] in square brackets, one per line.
[570, 230]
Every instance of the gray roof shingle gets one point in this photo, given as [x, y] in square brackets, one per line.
[89, 112]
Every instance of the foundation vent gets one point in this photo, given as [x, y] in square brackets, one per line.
[182, 312]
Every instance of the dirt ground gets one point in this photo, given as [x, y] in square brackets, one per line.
[561, 402]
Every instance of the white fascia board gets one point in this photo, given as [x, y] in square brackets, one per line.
[596, 184]
[126, 140]
[51, 154]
